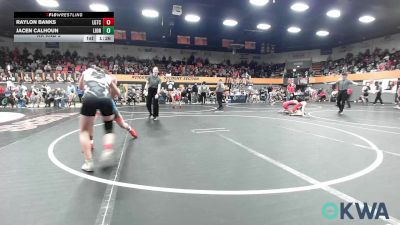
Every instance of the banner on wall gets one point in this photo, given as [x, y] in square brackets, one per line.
[302, 81]
[138, 36]
[250, 45]
[226, 43]
[389, 79]
[183, 40]
[388, 85]
[120, 34]
[200, 41]
[296, 81]
[190, 79]
[288, 81]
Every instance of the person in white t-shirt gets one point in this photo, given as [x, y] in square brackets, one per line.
[204, 90]
[171, 92]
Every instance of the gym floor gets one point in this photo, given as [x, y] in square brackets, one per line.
[248, 165]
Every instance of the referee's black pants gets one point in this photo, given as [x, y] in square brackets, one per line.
[151, 100]
[219, 99]
[378, 97]
[341, 99]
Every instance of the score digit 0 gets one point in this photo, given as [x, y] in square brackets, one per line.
[108, 30]
[108, 21]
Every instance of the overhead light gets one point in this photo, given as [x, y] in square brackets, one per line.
[48, 3]
[192, 18]
[259, 2]
[366, 19]
[294, 29]
[230, 22]
[334, 13]
[299, 7]
[322, 33]
[150, 13]
[98, 7]
[263, 26]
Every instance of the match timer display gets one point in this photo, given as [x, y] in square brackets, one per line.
[64, 26]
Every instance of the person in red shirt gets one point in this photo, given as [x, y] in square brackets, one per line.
[291, 89]
[286, 105]
[321, 95]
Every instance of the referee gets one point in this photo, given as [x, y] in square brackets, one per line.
[152, 91]
[220, 93]
[343, 85]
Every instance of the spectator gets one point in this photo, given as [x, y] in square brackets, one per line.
[59, 68]
[70, 88]
[378, 93]
[80, 94]
[47, 68]
[195, 92]
[22, 96]
[204, 89]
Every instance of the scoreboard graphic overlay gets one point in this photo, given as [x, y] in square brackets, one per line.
[64, 26]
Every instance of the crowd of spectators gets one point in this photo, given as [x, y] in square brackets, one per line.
[16, 61]
[21, 95]
[22, 61]
[366, 62]
[202, 67]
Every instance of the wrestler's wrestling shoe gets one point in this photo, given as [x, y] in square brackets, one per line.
[133, 133]
[88, 166]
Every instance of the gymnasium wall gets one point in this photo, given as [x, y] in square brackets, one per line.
[389, 42]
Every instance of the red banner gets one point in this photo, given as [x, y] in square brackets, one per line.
[249, 45]
[138, 36]
[201, 41]
[226, 43]
[120, 35]
[183, 40]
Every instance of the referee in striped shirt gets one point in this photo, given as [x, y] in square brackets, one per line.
[342, 86]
